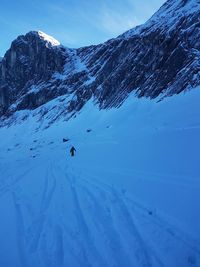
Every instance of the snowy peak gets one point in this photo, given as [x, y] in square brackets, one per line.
[172, 11]
[47, 38]
[182, 4]
[32, 58]
[35, 37]
[179, 5]
[168, 17]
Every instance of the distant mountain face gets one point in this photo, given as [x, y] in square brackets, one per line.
[159, 58]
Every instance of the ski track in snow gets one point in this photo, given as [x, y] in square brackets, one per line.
[172, 232]
[158, 220]
[11, 181]
[20, 231]
[129, 223]
[101, 215]
[117, 244]
[111, 234]
[45, 203]
[86, 234]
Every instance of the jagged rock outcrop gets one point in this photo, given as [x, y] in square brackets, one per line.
[159, 58]
[31, 59]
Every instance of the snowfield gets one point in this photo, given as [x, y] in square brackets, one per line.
[129, 197]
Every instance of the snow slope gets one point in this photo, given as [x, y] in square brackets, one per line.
[130, 196]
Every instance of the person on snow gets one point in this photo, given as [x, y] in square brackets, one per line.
[72, 151]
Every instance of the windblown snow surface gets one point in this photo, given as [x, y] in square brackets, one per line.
[130, 197]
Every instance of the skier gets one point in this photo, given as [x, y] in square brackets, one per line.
[72, 151]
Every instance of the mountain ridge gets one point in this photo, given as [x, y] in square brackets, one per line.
[157, 59]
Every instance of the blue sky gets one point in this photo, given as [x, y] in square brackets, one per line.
[74, 23]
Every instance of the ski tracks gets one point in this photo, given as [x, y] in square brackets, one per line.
[21, 242]
[140, 250]
[79, 221]
[100, 222]
[133, 236]
[31, 226]
[103, 219]
[12, 181]
[39, 221]
[87, 239]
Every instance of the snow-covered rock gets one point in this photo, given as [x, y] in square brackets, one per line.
[49, 39]
[31, 60]
[168, 17]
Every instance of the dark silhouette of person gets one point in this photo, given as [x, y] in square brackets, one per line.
[72, 151]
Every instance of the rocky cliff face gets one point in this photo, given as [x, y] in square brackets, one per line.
[31, 59]
[159, 58]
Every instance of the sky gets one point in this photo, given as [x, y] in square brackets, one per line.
[74, 23]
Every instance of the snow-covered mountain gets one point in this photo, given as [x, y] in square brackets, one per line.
[130, 195]
[159, 58]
